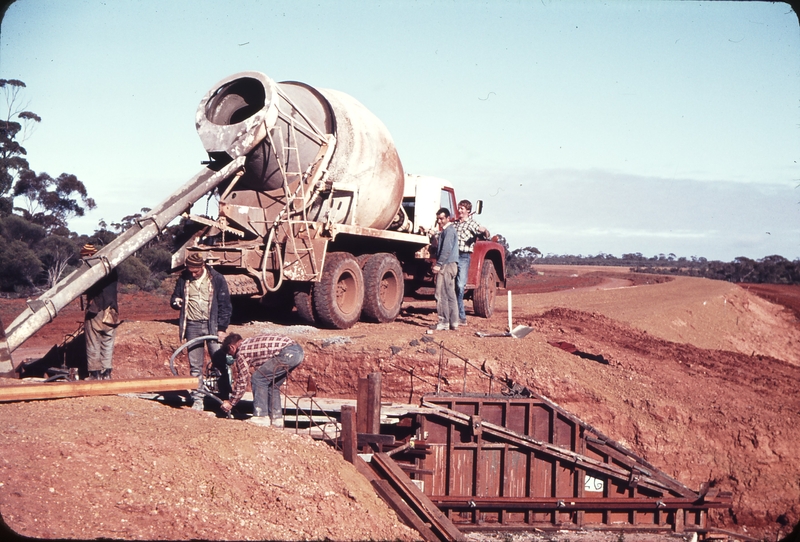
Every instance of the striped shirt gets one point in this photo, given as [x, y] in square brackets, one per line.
[467, 234]
[251, 355]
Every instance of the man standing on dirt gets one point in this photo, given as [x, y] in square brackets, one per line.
[468, 231]
[100, 322]
[202, 296]
[445, 269]
[271, 358]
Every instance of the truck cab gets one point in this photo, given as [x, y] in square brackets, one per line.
[422, 197]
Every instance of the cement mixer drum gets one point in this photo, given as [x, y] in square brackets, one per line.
[292, 134]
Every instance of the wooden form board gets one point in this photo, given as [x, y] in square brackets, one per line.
[521, 463]
[59, 390]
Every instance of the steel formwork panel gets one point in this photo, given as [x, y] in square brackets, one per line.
[525, 462]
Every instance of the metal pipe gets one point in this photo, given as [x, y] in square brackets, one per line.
[42, 310]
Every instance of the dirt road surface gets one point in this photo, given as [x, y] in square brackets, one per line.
[701, 380]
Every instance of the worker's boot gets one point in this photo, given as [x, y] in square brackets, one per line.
[105, 375]
[277, 422]
[93, 375]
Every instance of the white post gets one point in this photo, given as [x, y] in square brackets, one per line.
[509, 311]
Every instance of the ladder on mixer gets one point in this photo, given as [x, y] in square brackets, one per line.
[296, 201]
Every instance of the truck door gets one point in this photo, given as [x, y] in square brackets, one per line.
[448, 201]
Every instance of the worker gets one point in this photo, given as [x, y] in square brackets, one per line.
[100, 321]
[202, 296]
[445, 269]
[270, 358]
[468, 231]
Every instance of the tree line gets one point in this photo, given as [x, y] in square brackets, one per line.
[769, 270]
[37, 248]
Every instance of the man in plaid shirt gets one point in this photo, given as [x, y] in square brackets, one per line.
[269, 358]
[468, 231]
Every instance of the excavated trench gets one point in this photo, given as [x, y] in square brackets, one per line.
[493, 455]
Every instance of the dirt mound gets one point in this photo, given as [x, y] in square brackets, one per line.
[125, 468]
[700, 415]
[787, 296]
[709, 314]
[698, 377]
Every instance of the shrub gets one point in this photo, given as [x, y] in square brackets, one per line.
[19, 266]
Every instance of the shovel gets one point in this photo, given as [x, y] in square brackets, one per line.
[518, 333]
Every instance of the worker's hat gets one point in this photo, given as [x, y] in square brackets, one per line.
[195, 259]
[88, 250]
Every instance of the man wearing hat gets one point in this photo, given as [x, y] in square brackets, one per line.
[202, 296]
[100, 321]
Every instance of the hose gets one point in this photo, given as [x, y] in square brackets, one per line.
[200, 385]
[269, 246]
[187, 344]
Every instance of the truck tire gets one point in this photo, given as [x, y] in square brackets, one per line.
[383, 288]
[362, 260]
[483, 297]
[303, 303]
[339, 295]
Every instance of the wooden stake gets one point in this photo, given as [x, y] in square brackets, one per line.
[509, 311]
[374, 403]
[349, 434]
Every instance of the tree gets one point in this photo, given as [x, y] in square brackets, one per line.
[19, 266]
[743, 268]
[50, 202]
[56, 252]
[128, 222]
[16, 228]
[521, 260]
[102, 235]
[47, 202]
[133, 271]
[36, 248]
[16, 125]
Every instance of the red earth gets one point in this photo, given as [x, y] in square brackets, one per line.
[701, 381]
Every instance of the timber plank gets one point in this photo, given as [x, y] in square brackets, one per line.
[60, 390]
[439, 522]
[393, 499]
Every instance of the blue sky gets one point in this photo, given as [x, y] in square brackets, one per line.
[586, 127]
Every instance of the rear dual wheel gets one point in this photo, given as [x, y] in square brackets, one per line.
[383, 288]
[338, 297]
[370, 286]
[303, 302]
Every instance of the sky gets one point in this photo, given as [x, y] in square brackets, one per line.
[652, 127]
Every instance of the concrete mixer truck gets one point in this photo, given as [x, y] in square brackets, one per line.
[322, 209]
[313, 203]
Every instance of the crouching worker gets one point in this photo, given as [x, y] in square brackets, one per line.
[270, 358]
